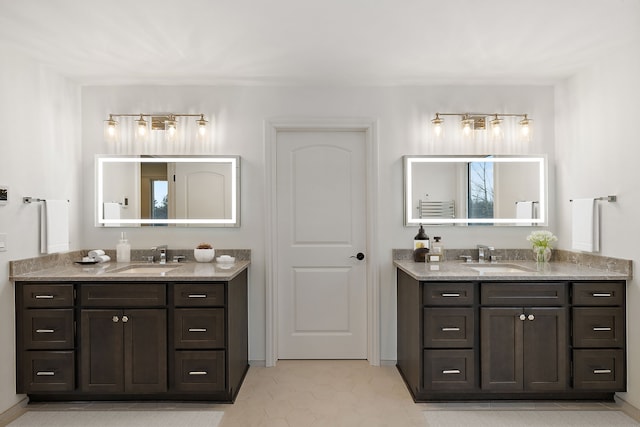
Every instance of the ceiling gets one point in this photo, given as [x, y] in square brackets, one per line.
[293, 42]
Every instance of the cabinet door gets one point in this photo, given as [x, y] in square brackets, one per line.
[145, 350]
[101, 351]
[545, 349]
[501, 348]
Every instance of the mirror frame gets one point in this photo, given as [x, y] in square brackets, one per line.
[234, 161]
[409, 206]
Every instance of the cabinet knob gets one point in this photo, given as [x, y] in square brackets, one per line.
[115, 319]
[531, 317]
[523, 317]
[125, 319]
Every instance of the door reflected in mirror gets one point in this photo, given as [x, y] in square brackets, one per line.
[167, 191]
[475, 190]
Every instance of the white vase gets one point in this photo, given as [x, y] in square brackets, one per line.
[204, 255]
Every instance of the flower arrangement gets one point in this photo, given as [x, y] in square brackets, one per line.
[204, 246]
[541, 242]
[542, 239]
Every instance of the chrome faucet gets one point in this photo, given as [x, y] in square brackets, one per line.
[482, 253]
[163, 252]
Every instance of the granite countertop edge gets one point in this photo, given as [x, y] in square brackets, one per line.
[111, 271]
[452, 270]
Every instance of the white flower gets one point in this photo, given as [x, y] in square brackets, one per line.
[542, 238]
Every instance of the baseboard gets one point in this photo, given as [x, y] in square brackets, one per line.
[388, 362]
[258, 363]
[13, 412]
[628, 408]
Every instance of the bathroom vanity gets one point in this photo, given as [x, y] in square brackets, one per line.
[510, 331]
[132, 332]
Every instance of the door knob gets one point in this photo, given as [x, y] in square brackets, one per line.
[359, 256]
[125, 319]
[523, 317]
[531, 317]
[115, 319]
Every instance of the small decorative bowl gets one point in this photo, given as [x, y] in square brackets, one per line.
[225, 259]
[204, 255]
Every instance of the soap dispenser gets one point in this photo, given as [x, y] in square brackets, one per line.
[437, 250]
[123, 249]
[420, 246]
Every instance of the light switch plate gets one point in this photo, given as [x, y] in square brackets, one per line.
[4, 194]
[3, 242]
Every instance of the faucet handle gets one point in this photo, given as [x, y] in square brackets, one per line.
[467, 258]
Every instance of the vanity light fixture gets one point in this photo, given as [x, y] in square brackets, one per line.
[158, 122]
[471, 122]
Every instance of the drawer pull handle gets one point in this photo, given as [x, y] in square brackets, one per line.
[449, 295]
[45, 331]
[451, 371]
[197, 295]
[450, 329]
[44, 296]
[198, 372]
[601, 294]
[604, 328]
[197, 329]
[45, 374]
[602, 371]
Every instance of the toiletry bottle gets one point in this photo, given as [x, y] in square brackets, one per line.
[420, 246]
[123, 249]
[437, 250]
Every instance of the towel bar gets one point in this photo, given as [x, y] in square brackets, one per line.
[33, 199]
[607, 198]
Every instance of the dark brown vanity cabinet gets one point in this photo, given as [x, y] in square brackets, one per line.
[599, 336]
[45, 338]
[524, 336]
[511, 340]
[135, 340]
[123, 338]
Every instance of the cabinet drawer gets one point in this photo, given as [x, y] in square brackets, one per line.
[122, 295]
[48, 371]
[199, 328]
[198, 295]
[449, 293]
[47, 295]
[598, 327]
[524, 294]
[201, 371]
[449, 370]
[48, 329]
[448, 327]
[599, 370]
[598, 293]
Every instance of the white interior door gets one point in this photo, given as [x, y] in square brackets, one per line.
[321, 227]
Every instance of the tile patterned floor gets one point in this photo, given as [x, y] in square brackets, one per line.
[316, 393]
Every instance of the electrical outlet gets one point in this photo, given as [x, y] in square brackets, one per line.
[3, 242]
[4, 194]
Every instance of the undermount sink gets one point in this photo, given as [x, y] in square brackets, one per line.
[498, 268]
[146, 269]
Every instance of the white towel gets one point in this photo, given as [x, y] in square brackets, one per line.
[585, 233]
[111, 211]
[103, 258]
[95, 253]
[54, 226]
[524, 210]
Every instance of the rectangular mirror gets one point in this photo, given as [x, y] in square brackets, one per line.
[133, 191]
[475, 190]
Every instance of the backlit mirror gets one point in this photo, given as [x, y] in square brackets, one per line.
[475, 190]
[189, 191]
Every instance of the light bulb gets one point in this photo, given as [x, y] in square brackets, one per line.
[202, 125]
[111, 129]
[142, 126]
[437, 126]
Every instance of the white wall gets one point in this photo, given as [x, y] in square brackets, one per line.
[239, 114]
[40, 157]
[597, 152]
